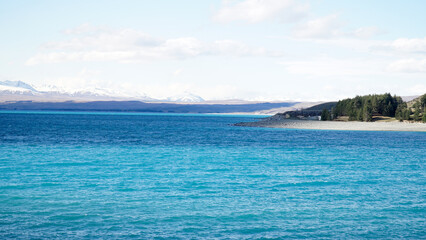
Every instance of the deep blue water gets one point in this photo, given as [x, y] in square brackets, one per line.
[94, 175]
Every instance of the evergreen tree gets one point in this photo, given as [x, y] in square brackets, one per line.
[384, 104]
[387, 110]
[417, 114]
[333, 113]
[398, 114]
[406, 114]
[325, 115]
[352, 115]
[423, 102]
[368, 111]
[374, 104]
[360, 115]
[363, 108]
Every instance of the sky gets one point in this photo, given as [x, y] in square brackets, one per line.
[263, 50]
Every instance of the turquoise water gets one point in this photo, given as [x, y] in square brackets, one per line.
[174, 176]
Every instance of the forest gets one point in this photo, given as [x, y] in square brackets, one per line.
[370, 107]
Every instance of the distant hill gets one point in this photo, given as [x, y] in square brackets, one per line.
[320, 107]
[409, 98]
[310, 111]
[137, 106]
[416, 100]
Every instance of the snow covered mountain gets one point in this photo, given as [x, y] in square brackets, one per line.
[21, 91]
[16, 86]
[186, 97]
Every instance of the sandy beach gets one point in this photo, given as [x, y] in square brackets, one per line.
[335, 125]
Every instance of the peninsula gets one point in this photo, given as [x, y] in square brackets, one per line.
[362, 113]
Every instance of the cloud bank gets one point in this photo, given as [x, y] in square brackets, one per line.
[90, 43]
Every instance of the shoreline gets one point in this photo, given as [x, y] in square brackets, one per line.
[336, 125]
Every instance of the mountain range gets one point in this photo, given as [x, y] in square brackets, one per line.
[18, 95]
[21, 91]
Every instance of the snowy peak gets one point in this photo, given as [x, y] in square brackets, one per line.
[17, 84]
[186, 97]
[18, 90]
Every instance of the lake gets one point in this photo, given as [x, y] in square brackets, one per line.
[179, 176]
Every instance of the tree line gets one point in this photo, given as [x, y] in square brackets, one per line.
[363, 108]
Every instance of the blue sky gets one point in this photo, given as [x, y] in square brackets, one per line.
[249, 49]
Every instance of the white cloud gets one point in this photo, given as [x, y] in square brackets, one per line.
[418, 89]
[405, 49]
[84, 29]
[413, 45]
[327, 67]
[325, 27]
[211, 92]
[254, 11]
[105, 40]
[128, 45]
[177, 72]
[367, 32]
[408, 66]
[236, 48]
[331, 27]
